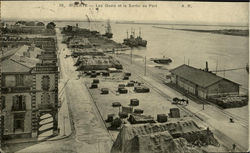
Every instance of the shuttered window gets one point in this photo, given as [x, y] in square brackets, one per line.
[45, 98]
[19, 103]
[45, 83]
[19, 122]
[19, 80]
[3, 102]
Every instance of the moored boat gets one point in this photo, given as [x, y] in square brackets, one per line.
[163, 60]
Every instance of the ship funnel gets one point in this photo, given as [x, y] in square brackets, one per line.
[206, 69]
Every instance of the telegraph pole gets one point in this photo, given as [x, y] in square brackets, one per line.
[131, 55]
[64, 125]
[145, 66]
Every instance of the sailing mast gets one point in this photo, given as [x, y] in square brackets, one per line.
[88, 21]
[108, 27]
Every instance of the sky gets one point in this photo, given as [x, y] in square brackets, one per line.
[172, 12]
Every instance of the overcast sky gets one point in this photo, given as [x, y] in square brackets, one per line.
[183, 12]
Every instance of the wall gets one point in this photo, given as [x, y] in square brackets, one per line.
[10, 80]
[39, 98]
[202, 92]
[9, 116]
[223, 87]
[173, 78]
[187, 85]
[39, 81]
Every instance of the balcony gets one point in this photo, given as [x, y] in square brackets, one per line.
[18, 108]
[44, 107]
[15, 89]
[46, 68]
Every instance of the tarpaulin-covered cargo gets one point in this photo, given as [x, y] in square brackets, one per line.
[174, 113]
[127, 109]
[105, 91]
[162, 118]
[140, 119]
[134, 102]
[138, 111]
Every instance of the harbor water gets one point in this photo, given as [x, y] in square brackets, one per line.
[222, 52]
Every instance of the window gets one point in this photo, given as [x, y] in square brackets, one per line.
[19, 80]
[19, 122]
[18, 103]
[10, 81]
[45, 83]
[45, 98]
[3, 102]
[3, 81]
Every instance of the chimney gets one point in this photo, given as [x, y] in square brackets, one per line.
[206, 69]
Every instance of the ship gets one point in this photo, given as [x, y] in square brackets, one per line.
[133, 41]
[108, 33]
[163, 60]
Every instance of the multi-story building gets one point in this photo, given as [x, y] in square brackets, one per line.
[1, 116]
[29, 90]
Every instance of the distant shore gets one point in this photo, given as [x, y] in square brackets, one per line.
[233, 32]
[179, 24]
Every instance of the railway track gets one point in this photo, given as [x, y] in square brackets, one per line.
[167, 97]
[160, 80]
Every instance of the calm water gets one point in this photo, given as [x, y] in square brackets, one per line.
[230, 51]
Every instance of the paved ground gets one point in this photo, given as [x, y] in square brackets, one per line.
[214, 118]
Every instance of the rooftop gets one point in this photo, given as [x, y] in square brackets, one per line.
[21, 59]
[197, 76]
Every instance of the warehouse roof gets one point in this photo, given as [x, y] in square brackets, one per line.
[197, 76]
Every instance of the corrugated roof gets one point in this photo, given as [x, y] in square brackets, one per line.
[196, 76]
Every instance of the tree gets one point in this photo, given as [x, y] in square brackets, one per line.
[51, 25]
[31, 23]
[40, 24]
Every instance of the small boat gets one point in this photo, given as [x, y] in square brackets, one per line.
[163, 60]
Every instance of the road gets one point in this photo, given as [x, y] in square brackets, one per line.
[89, 132]
[212, 117]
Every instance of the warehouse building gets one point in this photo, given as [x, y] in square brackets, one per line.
[202, 83]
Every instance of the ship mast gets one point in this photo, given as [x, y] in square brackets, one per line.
[108, 27]
[88, 21]
[139, 32]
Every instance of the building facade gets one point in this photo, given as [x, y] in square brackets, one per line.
[1, 114]
[29, 90]
[202, 83]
